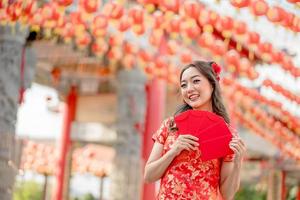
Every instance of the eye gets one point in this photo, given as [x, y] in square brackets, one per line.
[183, 85]
[196, 81]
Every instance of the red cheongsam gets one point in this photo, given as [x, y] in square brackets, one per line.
[188, 177]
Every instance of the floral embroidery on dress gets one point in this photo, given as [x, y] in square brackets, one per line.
[188, 177]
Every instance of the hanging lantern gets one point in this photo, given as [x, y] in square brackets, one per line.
[226, 26]
[68, 31]
[240, 27]
[206, 40]
[240, 3]
[100, 21]
[218, 48]
[192, 31]
[113, 10]
[124, 23]
[186, 57]
[277, 56]
[244, 66]
[232, 60]
[172, 47]
[115, 53]
[137, 15]
[259, 7]
[64, 3]
[139, 29]
[287, 21]
[170, 5]
[174, 25]
[156, 37]
[14, 10]
[76, 18]
[129, 48]
[144, 55]
[191, 9]
[83, 40]
[275, 14]
[253, 39]
[89, 6]
[99, 47]
[29, 8]
[265, 50]
[158, 19]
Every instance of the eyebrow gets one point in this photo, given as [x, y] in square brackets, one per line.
[191, 77]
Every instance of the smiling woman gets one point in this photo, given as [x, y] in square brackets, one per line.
[195, 179]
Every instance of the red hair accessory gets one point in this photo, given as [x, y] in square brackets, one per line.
[217, 69]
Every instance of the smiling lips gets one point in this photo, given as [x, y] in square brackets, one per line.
[193, 97]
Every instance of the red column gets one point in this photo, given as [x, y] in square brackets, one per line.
[69, 115]
[298, 193]
[156, 95]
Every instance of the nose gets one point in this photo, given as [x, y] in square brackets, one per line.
[190, 88]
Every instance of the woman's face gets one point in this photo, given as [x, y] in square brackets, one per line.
[196, 89]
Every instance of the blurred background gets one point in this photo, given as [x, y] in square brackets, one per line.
[85, 83]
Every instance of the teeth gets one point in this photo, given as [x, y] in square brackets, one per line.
[192, 97]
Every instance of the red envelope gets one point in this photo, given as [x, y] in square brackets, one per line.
[211, 129]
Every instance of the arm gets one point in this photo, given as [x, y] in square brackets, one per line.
[230, 171]
[157, 164]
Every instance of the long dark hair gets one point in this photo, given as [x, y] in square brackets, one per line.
[205, 68]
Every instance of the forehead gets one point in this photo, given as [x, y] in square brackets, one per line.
[189, 73]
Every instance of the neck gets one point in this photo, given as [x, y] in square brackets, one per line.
[205, 107]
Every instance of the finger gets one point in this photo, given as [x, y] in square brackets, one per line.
[239, 145]
[191, 142]
[191, 137]
[190, 146]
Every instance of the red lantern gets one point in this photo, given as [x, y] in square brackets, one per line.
[158, 18]
[124, 23]
[100, 21]
[253, 38]
[240, 3]
[240, 27]
[287, 21]
[99, 47]
[56, 74]
[171, 5]
[137, 15]
[139, 29]
[192, 9]
[174, 24]
[259, 7]
[277, 56]
[206, 40]
[232, 60]
[186, 57]
[29, 8]
[64, 2]
[193, 31]
[84, 40]
[36, 19]
[113, 10]
[146, 57]
[218, 48]
[225, 25]
[68, 31]
[89, 6]
[76, 18]
[14, 10]
[275, 14]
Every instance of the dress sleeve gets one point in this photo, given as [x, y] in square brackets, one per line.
[161, 134]
[229, 158]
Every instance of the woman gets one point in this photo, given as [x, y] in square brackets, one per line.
[195, 179]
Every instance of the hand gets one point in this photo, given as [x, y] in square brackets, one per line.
[184, 142]
[239, 149]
